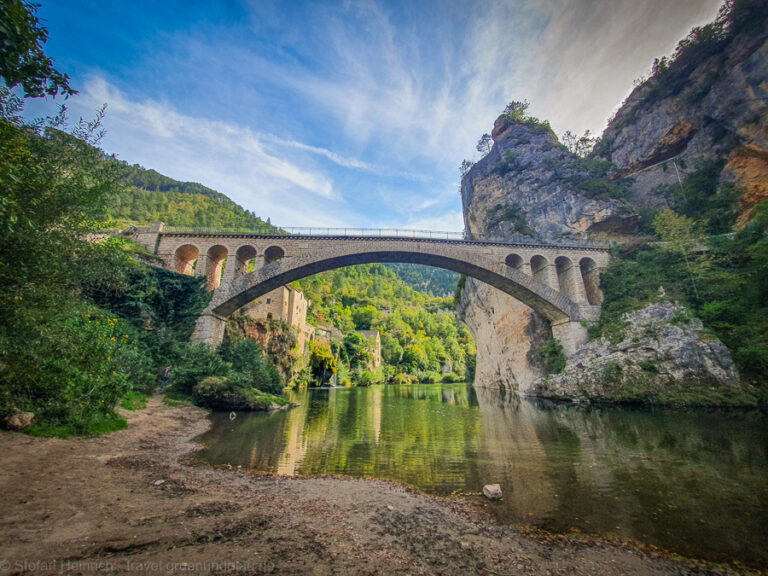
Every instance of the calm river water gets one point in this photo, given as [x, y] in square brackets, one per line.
[694, 482]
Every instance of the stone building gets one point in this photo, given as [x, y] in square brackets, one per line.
[374, 345]
[287, 305]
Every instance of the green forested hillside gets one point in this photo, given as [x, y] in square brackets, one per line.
[419, 333]
[433, 281]
[148, 196]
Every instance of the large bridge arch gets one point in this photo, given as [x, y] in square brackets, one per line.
[561, 282]
[550, 303]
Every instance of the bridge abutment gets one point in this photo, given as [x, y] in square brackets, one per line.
[209, 329]
[570, 334]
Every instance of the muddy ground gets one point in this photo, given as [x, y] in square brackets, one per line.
[126, 503]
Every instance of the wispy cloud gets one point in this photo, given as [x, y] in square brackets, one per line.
[358, 113]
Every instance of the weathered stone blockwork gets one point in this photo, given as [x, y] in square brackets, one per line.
[556, 281]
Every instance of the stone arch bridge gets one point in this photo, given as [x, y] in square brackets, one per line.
[559, 281]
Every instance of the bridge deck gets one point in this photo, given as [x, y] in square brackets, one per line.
[524, 243]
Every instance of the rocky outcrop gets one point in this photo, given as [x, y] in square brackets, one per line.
[529, 185]
[700, 108]
[662, 355]
[277, 339]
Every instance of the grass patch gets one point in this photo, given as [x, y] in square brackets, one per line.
[134, 401]
[96, 425]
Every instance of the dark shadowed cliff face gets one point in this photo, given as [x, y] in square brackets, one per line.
[709, 104]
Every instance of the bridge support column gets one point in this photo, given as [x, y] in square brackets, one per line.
[233, 265]
[570, 334]
[209, 329]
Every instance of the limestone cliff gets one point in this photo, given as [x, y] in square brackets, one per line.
[709, 103]
[662, 356]
[528, 185]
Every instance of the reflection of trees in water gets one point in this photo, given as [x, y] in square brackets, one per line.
[693, 482]
[690, 481]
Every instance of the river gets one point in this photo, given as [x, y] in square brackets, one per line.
[694, 482]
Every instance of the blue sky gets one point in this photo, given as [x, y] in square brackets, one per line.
[347, 113]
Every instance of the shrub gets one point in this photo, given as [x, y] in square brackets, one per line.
[553, 356]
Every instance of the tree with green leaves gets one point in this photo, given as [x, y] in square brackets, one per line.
[484, 144]
[22, 59]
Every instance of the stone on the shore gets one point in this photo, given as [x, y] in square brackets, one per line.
[492, 491]
[19, 420]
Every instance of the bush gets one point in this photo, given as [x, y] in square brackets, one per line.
[247, 358]
[553, 356]
[452, 377]
[198, 361]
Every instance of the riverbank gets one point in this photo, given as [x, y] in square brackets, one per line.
[126, 503]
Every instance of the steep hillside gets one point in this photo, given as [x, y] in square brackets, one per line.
[148, 196]
[420, 337]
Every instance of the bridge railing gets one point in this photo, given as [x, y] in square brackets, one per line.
[381, 233]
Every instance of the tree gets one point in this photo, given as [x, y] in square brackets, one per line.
[678, 235]
[484, 144]
[517, 110]
[22, 60]
[465, 166]
[579, 145]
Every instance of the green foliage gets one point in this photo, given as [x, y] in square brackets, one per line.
[648, 366]
[731, 298]
[22, 59]
[415, 335]
[151, 197]
[134, 401]
[428, 279]
[553, 356]
[713, 204]
[322, 364]
[247, 359]
[233, 393]
[510, 162]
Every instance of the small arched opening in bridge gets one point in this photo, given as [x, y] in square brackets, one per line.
[185, 258]
[217, 257]
[590, 275]
[245, 257]
[514, 261]
[273, 254]
[540, 269]
[566, 276]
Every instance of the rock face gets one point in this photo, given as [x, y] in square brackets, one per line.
[530, 186]
[662, 356]
[711, 104]
[714, 109]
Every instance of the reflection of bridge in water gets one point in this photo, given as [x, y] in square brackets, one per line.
[559, 281]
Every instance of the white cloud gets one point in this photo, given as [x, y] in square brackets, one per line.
[231, 159]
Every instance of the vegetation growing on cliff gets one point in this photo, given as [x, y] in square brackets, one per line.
[673, 76]
[723, 285]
